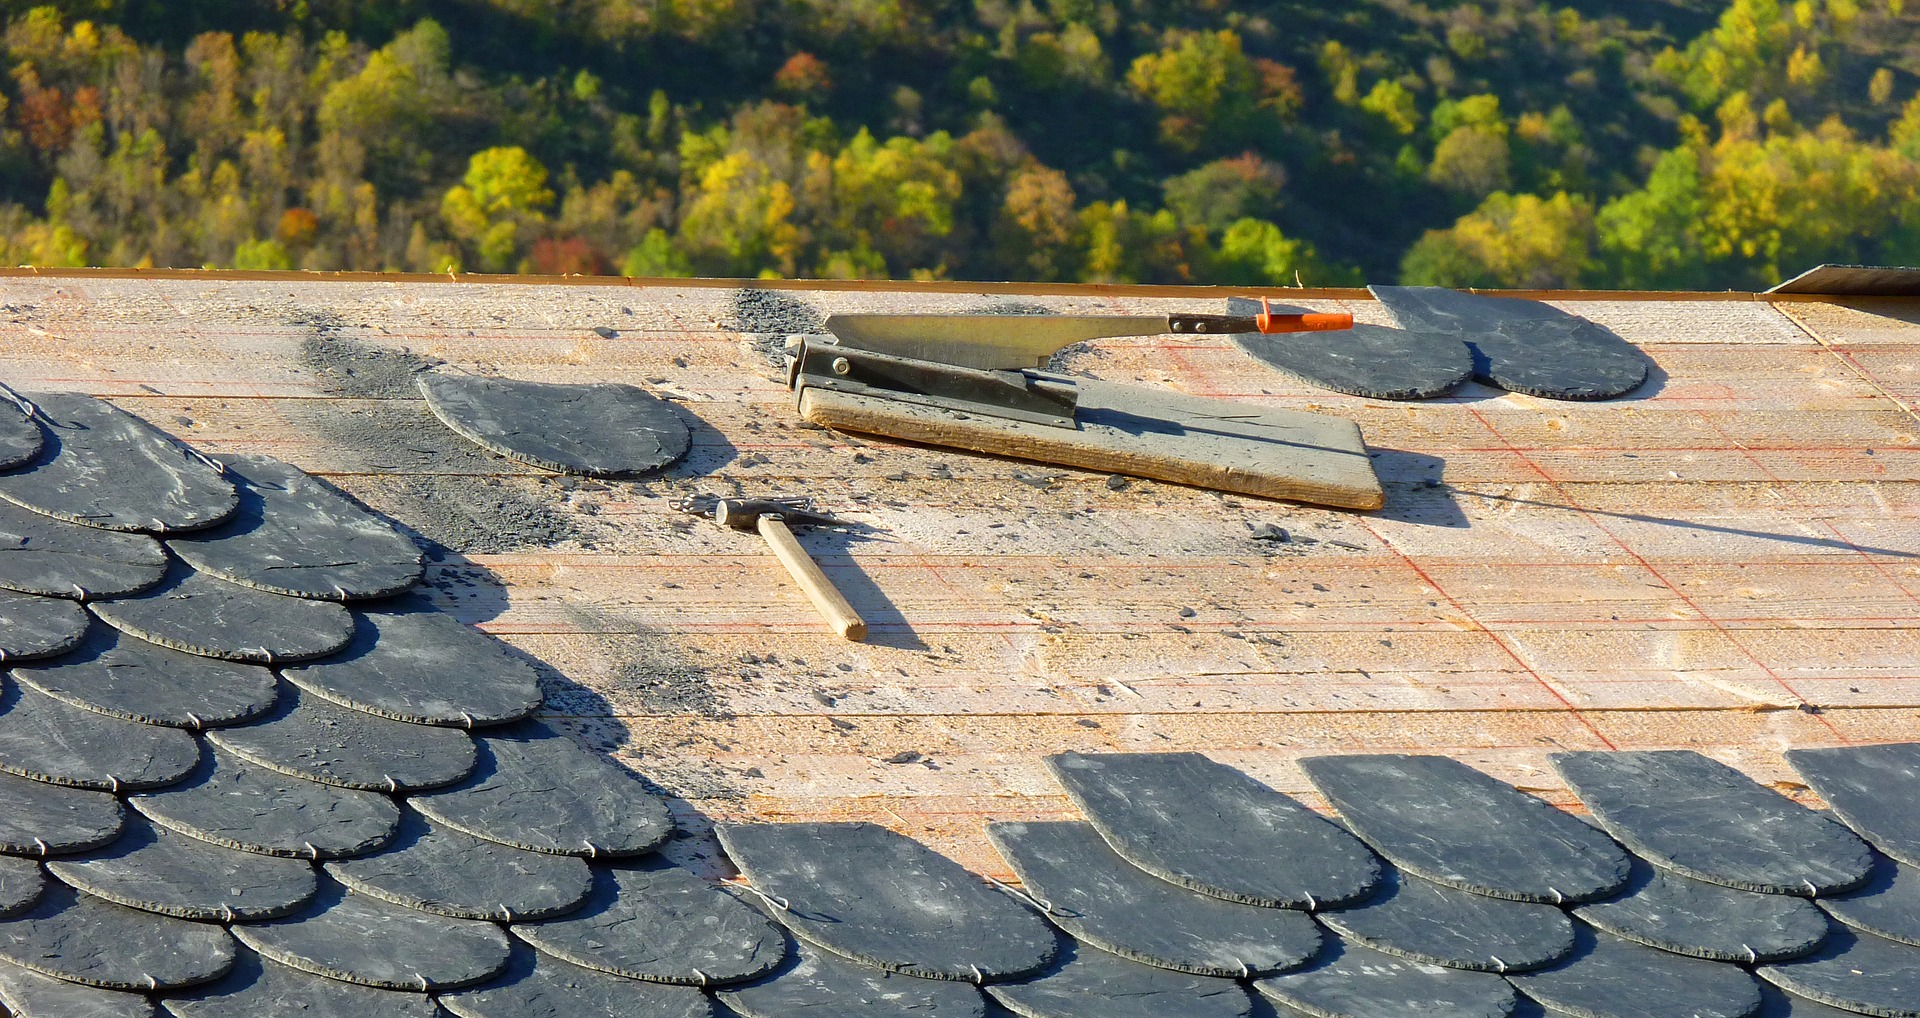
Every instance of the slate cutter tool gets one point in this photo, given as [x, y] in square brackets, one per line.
[774, 519]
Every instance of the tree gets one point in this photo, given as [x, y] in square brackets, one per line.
[1225, 191]
[1203, 84]
[1514, 241]
[503, 194]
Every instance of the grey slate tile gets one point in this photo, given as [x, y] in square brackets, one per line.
[1612, 978]
[40, 819]
[28, 994]
[155, 870]
[444, 871]
[1427, 922]
[312, 738]
[1352, 981]
[20, 436]
[201, 614]
[232, 802]
[423, 666]
[257, 987]
[1664, 909]
[38, 627]
[21, 884]
[126, 677]
[1094, 984]
[817, 982]
[537, 986]
[1888, 905]
[103, 467]
[602, 430]
[80, 938]
[1872, 789]
[1367, 360]
[54, 558]
[1522, 345]
[45, 739]
[1855, 971]
[355, 938]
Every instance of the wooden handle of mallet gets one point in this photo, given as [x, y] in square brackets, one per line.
[827, 598]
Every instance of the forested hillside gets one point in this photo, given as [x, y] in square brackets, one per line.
[1662, 143]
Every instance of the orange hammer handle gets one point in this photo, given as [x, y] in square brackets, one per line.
[1309, 322]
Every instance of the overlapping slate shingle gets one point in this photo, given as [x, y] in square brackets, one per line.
[441, 870]
[1855, 972]
[1677, 913]
[1612, 978]
[1872, 789]
[38, 627]
[312, 738]
[1090, 983]
[1418, 919]
[126, 677]
[1523, 345]
[29, 994]
[42, 819]
[1352, 981]
[20, 436]
[200, 614]
[257, 987]
[355, 938]
[412, 663]
[53, 558]
[20, 884]
[814, 981]
[49, 740]
[1888, 905]
[103, 467]
[538, 986]
[155, 870]
[82, 939]
[239, 804]
[662, 924]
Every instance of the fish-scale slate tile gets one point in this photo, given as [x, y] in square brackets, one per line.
[1091, 983]
[156, 870]
[103, 467]
[1855, 971]
[1366, 360]
[42, 555]
[1612, 978]
[36, 627]
[48, 740]
[201, 614]
[258, 987]
[441, 870]
[601, 430]
[232, 802]
[1675, 913]
[537, 986]
[1888, 905]
[512, 797]
[1522, 345]
[424, 666]
[1778, 1003]
[294, 534]
[39, 819]
[1212, 829]
[813, 981]
[1695, 815]
[1873, 789]
[80, 938]
[1353, 981]
[28, 994]
[21, 883]
[355, 938]
[662, 924]
[1440, 925]
[1103, 900]
[312, 738]
[866, 893]
[126, 677]
[20, 436]
[1442, 820]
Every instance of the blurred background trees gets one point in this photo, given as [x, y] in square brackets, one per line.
[1664, 143]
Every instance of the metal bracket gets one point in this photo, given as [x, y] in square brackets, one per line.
[1016, 395]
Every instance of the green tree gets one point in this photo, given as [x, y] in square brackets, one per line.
[503, 196]
[1514, 241]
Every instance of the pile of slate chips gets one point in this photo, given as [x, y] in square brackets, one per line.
[245, 772]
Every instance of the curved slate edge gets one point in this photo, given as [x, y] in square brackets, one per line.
[38, 627]
[1524, 346]
[537, 986]
[1351, 981]
[1699, 817]
[200, 614]
[1872, 789]
[1888, 906]
[449, 873]
[1778, 1003]
[237, 804]
[424, 667]
[54, 558]
[859, 891]
[1373, 361]
[1855, 972]
[43, 819]
[28, 994]
[1212, 829]
[155, 870]
[356, 939]
[661, 924]
[1423, 921]
[1608, 977]
[816, 981]
[603, 429]
[1102, 900]
[1702, 920]
[21, 884]
[258, 988]
[1094, 984]
[95, 456]
[128, 678]
[79, 938]
[21, 439]
[311, 738]
[47, 740]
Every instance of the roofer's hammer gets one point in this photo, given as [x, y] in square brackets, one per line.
[773, 519]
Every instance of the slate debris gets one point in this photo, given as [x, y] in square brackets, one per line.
[1522, 345]
[20, 884]
[1855, 971]
[423, 666]
[312, 738]
[156, 870]
[351, 937]
[866, 893]
[294, 534]
[813, 981]
[662, 924]
[1215, 830]
[600, 430]
[1091, 983]
[1352, 981]
[1888, 905]
[126, 677]
[1663, 909]
[201, 614]
[103, 467]
[1104, 901]
[82, 939]
[41, 819]
[1428, 922]
[48, 740]
[1872, 789]
[238, 804]
[1440, 819]
[260, 988]
[28, 994]
[1374, 361]
[441, 870]
[37, 627]
[537, 986]
[1695, 815]
[20, 436]
[52, 558]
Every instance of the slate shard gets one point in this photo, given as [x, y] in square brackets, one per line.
[601, 430]
[1855, 971]
[536, 986]
[1212, 829]
[231, 802]
[817, 982]
[1612, 978]
[20, 436]
[156, 870]
[1440, 925]
[1351, 981]
[52, 558]
[103, 467]
[866, 893]
[1522, 345]
[1367, 360]
[358, 939]
[1094, 984]
[42, 819]
[1692, 917]
[1872, 788]
[38, 627]
[296, 535]
[79, 938]
[1440, 819]
[1888, 905]
[446, 872]
[47, 740]
[664, 925]
[200, 614]
[1697, 816]
[311, 738]
[20, 885]
[423, 666]
[126, 677]
[260, 988]
[1102, 900]
[28, 994]
[606, 811]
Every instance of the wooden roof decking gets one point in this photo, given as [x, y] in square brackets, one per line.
[1723, 561]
